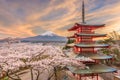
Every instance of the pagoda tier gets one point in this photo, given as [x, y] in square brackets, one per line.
[91, 35]
[86, 48]
[78, 26]
[88, 45]
[87, 35]
[93, 69]
[90, 55]
[83, 37]
[92, 45]
[94, 56]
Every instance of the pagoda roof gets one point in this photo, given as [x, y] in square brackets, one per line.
[94, 35]
[77, 25]
[96, 69]
[94, 56]
[88, 45]
[92, 25]
[91, 45]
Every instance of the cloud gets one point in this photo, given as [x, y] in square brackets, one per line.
[21, 18]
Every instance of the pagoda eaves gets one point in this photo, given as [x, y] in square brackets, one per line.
[98, 68]
[91, 45]
[77, 25]
[95, 56]
[92, 35]
[88, 45]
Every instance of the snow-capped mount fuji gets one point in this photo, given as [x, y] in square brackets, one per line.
[48, 33]
[45, 37]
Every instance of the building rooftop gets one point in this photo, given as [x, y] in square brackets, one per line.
[94, 56]
[91, 45]
[97, 69]
[77, 25]
[94, 35]
[88, 45]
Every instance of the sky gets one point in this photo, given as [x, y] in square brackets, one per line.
[24, 18]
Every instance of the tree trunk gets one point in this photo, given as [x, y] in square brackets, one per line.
[49, 78]
[31, 73]
[55, 72]
[12, 77]
[38, 73]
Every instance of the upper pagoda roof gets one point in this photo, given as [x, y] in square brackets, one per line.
[91, 25]
[77, 25]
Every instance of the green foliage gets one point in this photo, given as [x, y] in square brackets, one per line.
[113, 39]
[114, 35]
[69, 42]
[107, 41]
[5, 78]
[106, 51]
[116, 52]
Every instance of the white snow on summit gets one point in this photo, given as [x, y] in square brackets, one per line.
[45, 37]
[48, 33]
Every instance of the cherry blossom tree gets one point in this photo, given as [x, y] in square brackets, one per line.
[35, 57]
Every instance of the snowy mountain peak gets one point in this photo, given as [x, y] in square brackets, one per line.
[45, 37]
[48, 33]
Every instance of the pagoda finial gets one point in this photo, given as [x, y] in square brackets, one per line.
[83, 12]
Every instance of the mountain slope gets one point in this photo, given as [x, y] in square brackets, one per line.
[45, 37]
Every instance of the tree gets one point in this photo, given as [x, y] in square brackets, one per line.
[35, 57]
[69, 42]
[114, 35]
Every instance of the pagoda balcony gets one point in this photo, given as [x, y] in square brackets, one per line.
[88, 34]
[83, 40]
[79, 50]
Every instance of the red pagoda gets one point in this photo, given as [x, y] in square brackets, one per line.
[85, 46]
